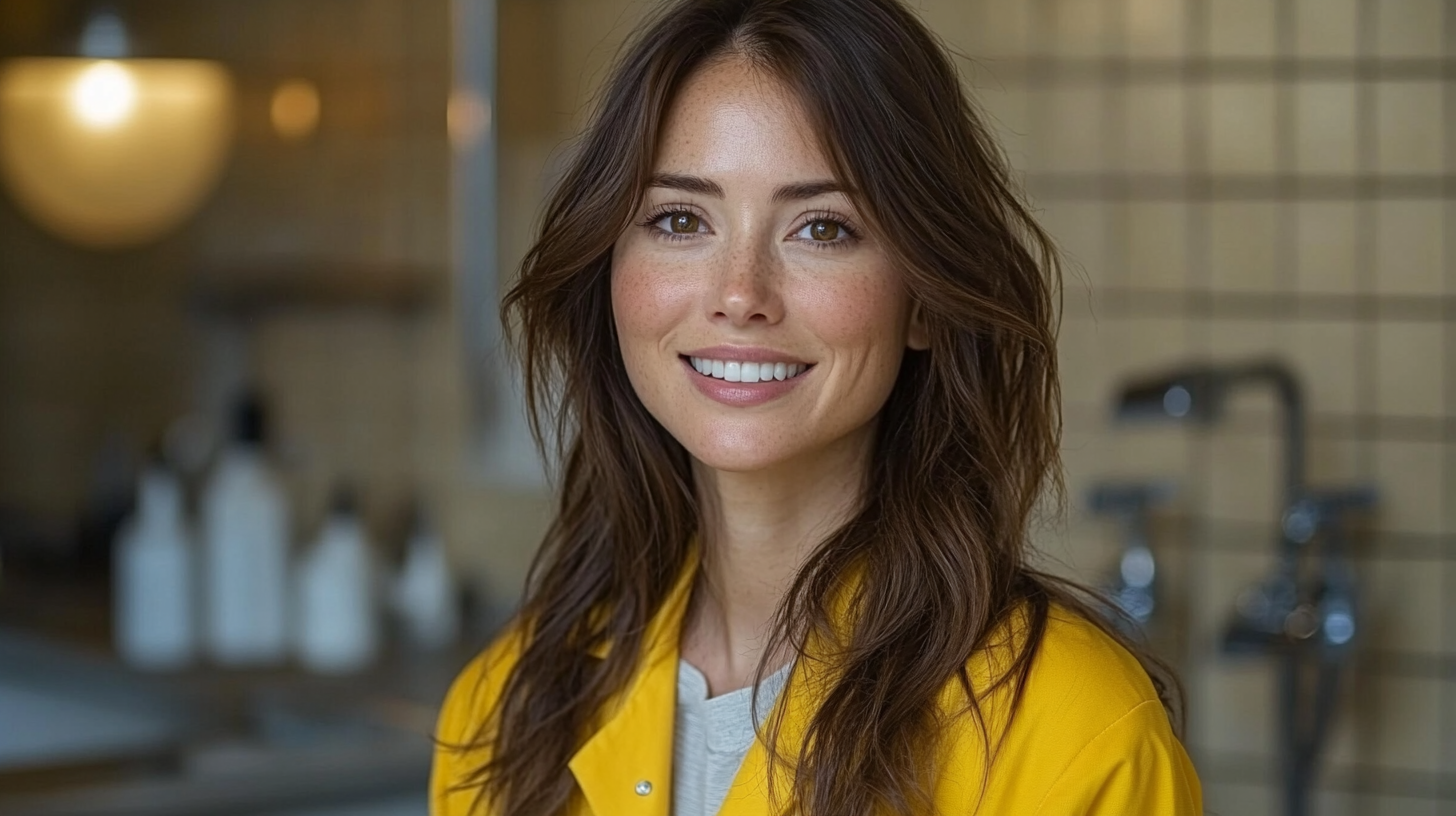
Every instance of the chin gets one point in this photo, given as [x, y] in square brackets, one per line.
[742, 450]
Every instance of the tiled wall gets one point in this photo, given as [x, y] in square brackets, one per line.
[1236, 178]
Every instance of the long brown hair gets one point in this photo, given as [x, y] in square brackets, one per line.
[966, 446]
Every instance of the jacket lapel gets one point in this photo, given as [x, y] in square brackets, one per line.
[625, 768]
[749, 794]
[634, 745]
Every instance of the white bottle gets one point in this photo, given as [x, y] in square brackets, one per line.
[245, 560]
[152, 614]
[423, 594]
[338, 623]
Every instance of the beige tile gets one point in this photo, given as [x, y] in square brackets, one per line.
[1409, 478]
[1325, 127]
[1449, 526]
[1227, 799]
[1241, 238]
[1448, 726]
[1079, 27]
[1325, 28]
[1335, 802]
[1154, 453]
[1084, 454]
[1157, 252]
[1004, 106]
[1154, 129]
[1323, 353]
[1402, 605]
[1241, 127]
[1155, 28]
[1412, 806]
[1080, 231]
[1137, 346]
[1410, 365]
[1096, 356]
[1353, 729]
[1408, 736]
[1083, 551]
[1236, 340]
[1244, 477]
[1082, 362]
[1409, 247]
[1409, 28]
[1241, 28]
[1408, 116]
[1389, 722]
[1236, 714]
[981, 29]
[1326, 246]
[1067, 129]
[1333, 461]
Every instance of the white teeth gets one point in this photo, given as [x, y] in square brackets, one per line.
[738, 371]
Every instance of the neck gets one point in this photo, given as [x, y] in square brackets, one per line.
[758, 528]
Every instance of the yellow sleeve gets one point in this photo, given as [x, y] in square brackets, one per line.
[1134, 767]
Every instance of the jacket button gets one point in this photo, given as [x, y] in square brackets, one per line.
[643, 788]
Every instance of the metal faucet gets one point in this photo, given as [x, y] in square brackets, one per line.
[1304, 615]
[1133, 589]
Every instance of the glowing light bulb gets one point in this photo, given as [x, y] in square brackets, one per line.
[104, 95]
[295, 109]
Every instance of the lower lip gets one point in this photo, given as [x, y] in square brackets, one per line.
[740, 394]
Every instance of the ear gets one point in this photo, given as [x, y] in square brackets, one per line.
[918, 337]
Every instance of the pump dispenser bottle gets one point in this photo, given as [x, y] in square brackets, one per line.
[423, 592]
[245, 527]
[152, 613]
[338, 615]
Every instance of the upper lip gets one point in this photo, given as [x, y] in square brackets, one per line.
[746, 354]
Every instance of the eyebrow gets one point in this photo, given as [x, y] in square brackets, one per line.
[788, 192]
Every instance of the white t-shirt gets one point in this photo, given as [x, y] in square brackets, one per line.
[711, 737]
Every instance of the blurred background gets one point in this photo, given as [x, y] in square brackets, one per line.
[249, 258]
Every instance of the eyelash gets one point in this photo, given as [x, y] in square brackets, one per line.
[662, 211]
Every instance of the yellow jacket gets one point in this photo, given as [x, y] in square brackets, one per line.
[1090, 737]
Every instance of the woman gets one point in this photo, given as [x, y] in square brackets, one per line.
[795, 334]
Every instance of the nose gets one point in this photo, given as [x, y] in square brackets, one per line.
[748, 287]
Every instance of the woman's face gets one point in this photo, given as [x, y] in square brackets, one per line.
[758, 319]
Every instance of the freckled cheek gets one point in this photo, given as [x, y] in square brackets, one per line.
[865, 317]
[649, 301]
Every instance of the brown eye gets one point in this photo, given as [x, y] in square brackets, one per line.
[683, 222]
[824, 230]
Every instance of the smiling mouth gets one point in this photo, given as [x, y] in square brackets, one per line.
[740, 371]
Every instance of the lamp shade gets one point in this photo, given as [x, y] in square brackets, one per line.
[112, 153]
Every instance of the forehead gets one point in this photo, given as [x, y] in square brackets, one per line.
[732, 118]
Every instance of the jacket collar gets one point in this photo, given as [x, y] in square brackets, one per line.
[625, 767]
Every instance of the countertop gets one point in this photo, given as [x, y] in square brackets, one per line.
[84, 735]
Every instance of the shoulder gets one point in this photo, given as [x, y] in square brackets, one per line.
[1094, 730]
[477, 686]
[1083, 677]
[462, 727]
[1088, 718]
